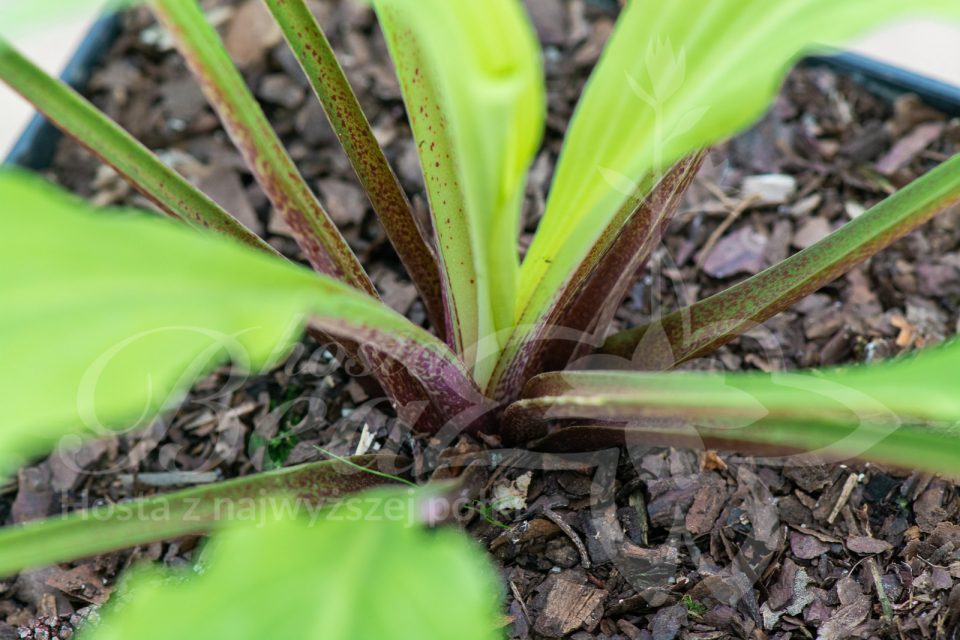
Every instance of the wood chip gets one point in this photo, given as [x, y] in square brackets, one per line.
[566, 605]
[345, 202]
[554, 517]
[769, 189]
[526, 531]
[810, 232]
[907, 147]
[667, 622]
[807, 547]
[867, 545]
[35, 497]
[226, 189]
[549, 18]
[848, 486]
[251, 33]
[82, 583]
[845, 619]
[740, 252]
[707, 505]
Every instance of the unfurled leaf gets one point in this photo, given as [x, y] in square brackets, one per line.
[261, 148]
[109, 316]
[675, 77]
[29, 16]
[316, 57]
[78, 117]
[709, 323]
[365, 569]
[583, 309]
[472, 82]
[903, 412]
[115, 526]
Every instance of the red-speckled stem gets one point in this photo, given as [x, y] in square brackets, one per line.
[80, 120]
[710, 323]
[320, 65]
[595, 288]
[262, 150]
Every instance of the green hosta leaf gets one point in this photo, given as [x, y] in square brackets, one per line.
[675, 77]
[904, 412]
[109, 316]
[25, 16]
[366, 570]
[196, 510]
[79, 118]
[472, 81]
[583, 307]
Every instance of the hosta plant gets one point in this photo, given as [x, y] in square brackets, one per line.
[109, 316]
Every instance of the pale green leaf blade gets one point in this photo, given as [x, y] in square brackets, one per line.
[108, 316]
[904, 412]
[676, 77]
[29, 16]
[115, 526]
[472, 80]
[366, 569]
[709, 323]
[78, 117]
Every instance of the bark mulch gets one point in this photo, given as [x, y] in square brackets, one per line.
[634, 544]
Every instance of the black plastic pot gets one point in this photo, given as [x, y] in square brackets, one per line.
[888, 81]
[37, 145]
[38, 142]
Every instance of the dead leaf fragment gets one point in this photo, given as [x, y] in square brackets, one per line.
[512, 495]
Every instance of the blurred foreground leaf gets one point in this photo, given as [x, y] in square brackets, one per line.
[365, 569]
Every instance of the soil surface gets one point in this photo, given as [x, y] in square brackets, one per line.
[634, 544]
